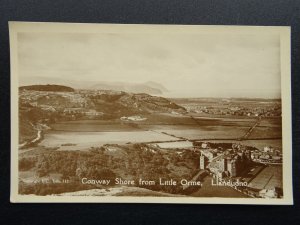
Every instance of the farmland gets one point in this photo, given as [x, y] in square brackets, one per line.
[270, 176]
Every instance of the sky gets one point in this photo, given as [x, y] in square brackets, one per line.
[187, 64]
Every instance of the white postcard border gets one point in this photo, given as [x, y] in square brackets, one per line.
[285, 58]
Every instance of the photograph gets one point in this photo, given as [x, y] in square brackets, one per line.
[140, 113]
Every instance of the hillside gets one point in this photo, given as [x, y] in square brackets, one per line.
[47, 87]
[48, 107]
[122, 103]
[131, 162]
[113, 103]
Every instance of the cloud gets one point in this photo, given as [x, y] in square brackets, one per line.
[189, 65]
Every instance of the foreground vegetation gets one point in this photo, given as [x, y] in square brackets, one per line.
[127, 162]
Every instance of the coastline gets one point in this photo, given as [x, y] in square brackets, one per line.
[39, 136]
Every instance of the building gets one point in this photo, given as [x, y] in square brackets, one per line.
[204, 145]
[209, 153]
[232, 168]
[202, 162]
[223, 165]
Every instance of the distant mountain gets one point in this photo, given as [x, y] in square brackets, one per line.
[156, 85]
[148, 87]
[47, 87]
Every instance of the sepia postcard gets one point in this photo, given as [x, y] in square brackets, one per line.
[150, 113]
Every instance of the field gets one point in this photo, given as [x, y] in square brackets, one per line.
[270, 177]
[206, 132]
[266, 132]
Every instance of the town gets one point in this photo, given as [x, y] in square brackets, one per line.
[235, 107]
[247, 169]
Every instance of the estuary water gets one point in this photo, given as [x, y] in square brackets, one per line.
[82, 140]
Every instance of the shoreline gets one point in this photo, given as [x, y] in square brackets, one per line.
[39, 136]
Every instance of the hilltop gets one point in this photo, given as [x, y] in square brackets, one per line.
[149, 87]
[47, 87]
[124, 103]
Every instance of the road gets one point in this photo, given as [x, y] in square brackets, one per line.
[245, 137]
